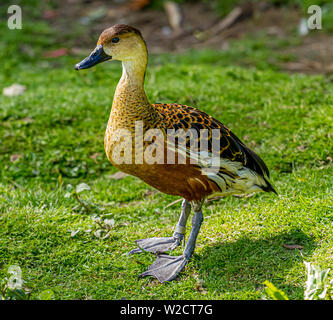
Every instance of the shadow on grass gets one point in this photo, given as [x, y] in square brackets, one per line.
[243, 265]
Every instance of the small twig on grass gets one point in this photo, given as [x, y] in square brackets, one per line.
[76, 196]
[15, 184]
[172, 203]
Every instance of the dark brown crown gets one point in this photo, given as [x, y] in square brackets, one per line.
[117, 30]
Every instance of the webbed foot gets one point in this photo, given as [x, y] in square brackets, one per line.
[165, 267]
[156, 245]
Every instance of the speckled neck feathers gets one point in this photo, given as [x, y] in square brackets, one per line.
[130, 102]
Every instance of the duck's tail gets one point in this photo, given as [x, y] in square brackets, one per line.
[268, 187]
[255, 163]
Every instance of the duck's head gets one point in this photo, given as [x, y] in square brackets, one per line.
[120, 42]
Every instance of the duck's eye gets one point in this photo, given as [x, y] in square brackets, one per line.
[115, 40]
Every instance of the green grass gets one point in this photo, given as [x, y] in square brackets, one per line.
[56, 129]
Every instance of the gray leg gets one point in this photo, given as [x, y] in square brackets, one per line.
[181, 225]
[196, 224]
[166, 267]
[157, 245]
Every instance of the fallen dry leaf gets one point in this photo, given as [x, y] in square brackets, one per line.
[15, 157]
[14, 90]
[98, 233]
[56, 53]
[94, 156]
[252, 144]
[246, 138]
[50, 14]
[301, 148]
[149, 193]
[118, 175]
[199, 287]
[79, 51]
[27, 120]
[292, 246]
[137, 4]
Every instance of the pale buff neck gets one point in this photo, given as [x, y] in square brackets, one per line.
[130, 96]
[130, 102]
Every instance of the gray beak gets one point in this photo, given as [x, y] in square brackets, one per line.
[97, 56]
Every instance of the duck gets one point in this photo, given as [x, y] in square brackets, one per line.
[177, 149]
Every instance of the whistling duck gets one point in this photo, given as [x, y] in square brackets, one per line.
[239, 169]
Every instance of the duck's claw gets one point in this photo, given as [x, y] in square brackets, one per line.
[165, 267]
[156, 245]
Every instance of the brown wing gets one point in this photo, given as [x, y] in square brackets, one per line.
[176, 116]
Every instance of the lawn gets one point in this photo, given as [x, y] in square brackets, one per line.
[76, 244]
